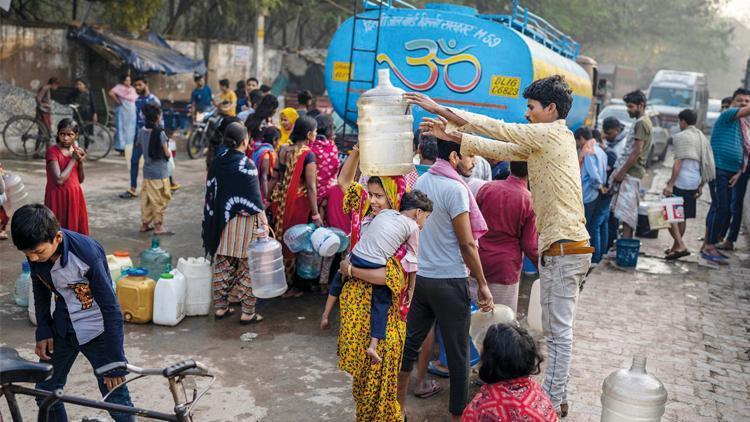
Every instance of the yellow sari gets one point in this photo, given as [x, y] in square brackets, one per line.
[292, 116]
[374, 386]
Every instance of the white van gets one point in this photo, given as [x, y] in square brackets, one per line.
[672, 91]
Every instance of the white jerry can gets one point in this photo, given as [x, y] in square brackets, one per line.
[633, 395]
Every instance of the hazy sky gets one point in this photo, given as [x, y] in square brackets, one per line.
[739, 9]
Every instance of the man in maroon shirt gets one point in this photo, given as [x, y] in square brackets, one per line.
[506, 206]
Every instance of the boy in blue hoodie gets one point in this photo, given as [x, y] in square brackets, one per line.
[87, 317]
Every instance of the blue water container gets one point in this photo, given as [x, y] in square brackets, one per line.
[627, 252]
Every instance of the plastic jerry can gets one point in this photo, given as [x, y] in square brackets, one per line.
[169, 299]
[116, 262]
[22, 285]
[32, 308]
[266, 263]
[15, 192]
[197, 272]
[156, 260]
[135, 292]
[633, 395]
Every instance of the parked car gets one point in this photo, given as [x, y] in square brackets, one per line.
[714, 109]
[661, 137]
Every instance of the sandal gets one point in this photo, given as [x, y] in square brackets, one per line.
[226, 313]
[146, 230]
[255, 318]
[716, 259]
[677, 255]
[434, 389]
[128, 194]
[435, 370]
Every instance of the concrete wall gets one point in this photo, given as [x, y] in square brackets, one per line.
[31, 55]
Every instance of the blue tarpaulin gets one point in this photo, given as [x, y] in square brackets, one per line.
[150, 55]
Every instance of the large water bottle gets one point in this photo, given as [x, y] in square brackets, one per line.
[264, 257]
[16, 193]
[297, 237]
[22, 285]
[385, 129]
[325, 242]
[156, 260]
[308, 265]
[633, 395]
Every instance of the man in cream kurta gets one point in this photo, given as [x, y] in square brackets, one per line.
[549, 148]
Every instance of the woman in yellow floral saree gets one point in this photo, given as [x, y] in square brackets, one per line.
[374, 386]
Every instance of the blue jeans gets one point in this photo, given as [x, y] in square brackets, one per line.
[597, 213]
[134, 160]
[717, 219]
[737, 195]
[66, 351]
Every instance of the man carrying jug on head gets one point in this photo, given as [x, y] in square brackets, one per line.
[549, 148]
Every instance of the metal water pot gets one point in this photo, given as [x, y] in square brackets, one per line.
[633, 395]
[385, 130]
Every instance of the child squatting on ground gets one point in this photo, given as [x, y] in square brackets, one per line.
[87, 317]
[157, 191]
[381, 239]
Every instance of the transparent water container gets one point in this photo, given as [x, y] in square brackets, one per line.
[156, 260]
[297, 237]
[197, 272]
[325, 242]
[264, 257]
[633, 395]
[386, 130]
[23, 283]
[16, 193]
[343, 238]
[308, 265]
[169, 298]
[135, 292]
[482, 321]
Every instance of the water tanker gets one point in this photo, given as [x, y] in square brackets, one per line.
[480, 63]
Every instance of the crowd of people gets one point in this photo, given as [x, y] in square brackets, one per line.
[423, 246]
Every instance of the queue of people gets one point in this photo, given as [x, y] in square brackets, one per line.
[420, 243]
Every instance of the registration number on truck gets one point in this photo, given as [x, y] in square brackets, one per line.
[505, 86]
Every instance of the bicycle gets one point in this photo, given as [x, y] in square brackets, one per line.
[27, 136]
[14, 369]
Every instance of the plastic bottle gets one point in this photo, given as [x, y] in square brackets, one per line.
[16, 193]
[308, 265]
[633, 395]
[266, 264]
[197, 272]
[297, 238]
[155, 259]
[135, 292]
[22, 285]
[169, 298]
[385, 128]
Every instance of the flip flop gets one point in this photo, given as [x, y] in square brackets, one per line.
[255, 319]
[434, 389]
[714, 258]
[164, 233]
[147, 230]
[677, 255]
[724, 248]
[434, 370]
[127, 195]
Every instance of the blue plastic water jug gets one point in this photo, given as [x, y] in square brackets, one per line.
[155, 260]
[308, 265]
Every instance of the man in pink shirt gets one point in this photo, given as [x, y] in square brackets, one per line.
[506, 206]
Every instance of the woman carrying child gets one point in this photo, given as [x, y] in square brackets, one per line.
[63, 194]
[156, 192]
[233, 210]
[375, 371]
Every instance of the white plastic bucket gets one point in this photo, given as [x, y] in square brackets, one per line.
[674, 209]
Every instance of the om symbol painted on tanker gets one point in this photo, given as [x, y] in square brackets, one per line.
[431, 61]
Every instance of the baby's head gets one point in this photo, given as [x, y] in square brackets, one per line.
[36, 232]
[417, 206]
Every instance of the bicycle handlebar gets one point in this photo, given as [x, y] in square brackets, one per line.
[187, 367]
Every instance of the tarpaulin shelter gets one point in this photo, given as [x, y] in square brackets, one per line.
[150, 55]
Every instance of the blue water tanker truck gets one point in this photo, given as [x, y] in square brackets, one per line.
[477, 62]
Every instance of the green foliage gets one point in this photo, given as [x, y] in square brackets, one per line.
[130, 15]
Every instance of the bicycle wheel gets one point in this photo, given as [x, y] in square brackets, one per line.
[24, 136]
[196, 145]
[96, 139]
